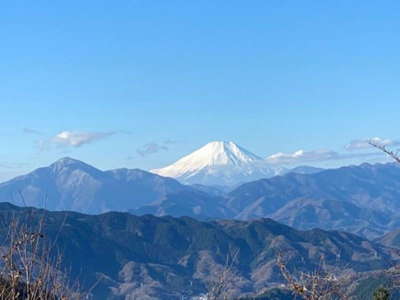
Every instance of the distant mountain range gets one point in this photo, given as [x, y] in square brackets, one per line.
[70, 184]
[131, 257]
[305, 170]
[361, 199]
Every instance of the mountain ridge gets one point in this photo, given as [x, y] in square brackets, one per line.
[360, 199]
[148, 257]
[70, 184]
[370, 192]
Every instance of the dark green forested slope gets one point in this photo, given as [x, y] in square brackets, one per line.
[165, 257]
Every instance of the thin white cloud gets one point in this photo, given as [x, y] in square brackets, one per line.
[357, 146]
[8, 165]
[32, 131]
[169, 142]
[363, 144]
[151, 148]
[77, 139]
[302, 156]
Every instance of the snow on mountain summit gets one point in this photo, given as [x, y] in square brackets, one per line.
[218, 163]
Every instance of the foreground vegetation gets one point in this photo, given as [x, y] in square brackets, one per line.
[30, 268]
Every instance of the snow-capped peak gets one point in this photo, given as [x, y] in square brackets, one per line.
[218, 162]
[220, 153]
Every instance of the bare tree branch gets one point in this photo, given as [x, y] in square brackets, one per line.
[393, 154]
[219, 288]
[316, 285]
[28, 268]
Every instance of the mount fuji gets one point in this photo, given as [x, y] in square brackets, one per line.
[219, 163]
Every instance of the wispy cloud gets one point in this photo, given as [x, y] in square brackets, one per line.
[151, 148]
[79, 138]
[356, 150]
[363, 144]
[72, 139]
[170, 142]
[31, 131]
[11, 166]
[301, 156]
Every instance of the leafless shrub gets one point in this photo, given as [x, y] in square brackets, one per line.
[393, 274]
[315, 285]
[28, 267]
[218, 288]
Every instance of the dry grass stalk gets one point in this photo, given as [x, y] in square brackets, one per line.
[27, 270]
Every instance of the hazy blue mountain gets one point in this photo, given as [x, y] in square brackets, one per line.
[215, 190]
[305, 170]
[189, 203]
[363, 199]
[70, 184]
[332, 214]
[151, 257]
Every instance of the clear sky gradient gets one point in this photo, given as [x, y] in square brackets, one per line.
[145, 82]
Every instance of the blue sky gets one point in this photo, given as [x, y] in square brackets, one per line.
[273, 76]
